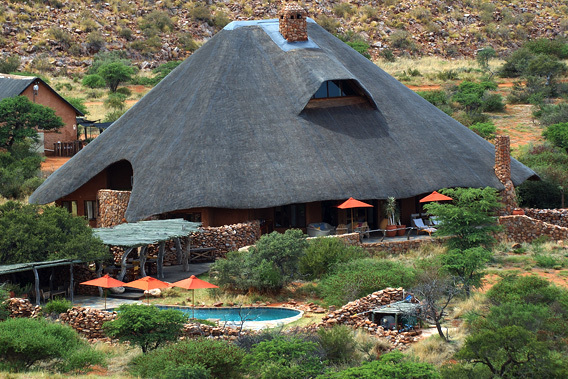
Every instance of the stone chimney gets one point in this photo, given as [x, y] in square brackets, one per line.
[292, 21]
[503, 173]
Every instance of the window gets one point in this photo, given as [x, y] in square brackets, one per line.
[290, 216]
[91, 210]
[71, 206]
[336, 88]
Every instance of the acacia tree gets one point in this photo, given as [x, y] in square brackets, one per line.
[20, 119]
[470, 222]
[114, 73]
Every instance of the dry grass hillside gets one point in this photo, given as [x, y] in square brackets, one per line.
[60, 36]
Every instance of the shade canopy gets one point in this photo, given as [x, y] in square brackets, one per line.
[353, 203]
[147, 283]
[193, 283]
[104, 282]
[435, 196]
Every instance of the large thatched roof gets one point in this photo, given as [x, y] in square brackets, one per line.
[228, 129]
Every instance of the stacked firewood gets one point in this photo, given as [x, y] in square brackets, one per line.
[22, 308]
[82, 273]
[87, 321]
[351, 314]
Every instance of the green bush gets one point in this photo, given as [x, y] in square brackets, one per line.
[159, 20]
[19, 170]
[57, 306]
[267, 267]
[523, 289]
[557, 48]
[330, 24]
[322, 254]
[82, 359]
[146, 326]
[187, 42]
[201, 12]
[492, 102]
[391, 365]
[557, 134]
[9, 64]
[222, 358]
[187, 371]
[4, 295]
[338, 344]
[360, 47]
[552, 114]
[24, 342]
[93, 81]
[484, 129]
[546, 261]
[283, 358]
[359, 278]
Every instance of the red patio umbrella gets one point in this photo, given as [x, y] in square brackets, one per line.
[353, 203]
[147, 283]
[435, 196]
[104, 282]
[192, 283]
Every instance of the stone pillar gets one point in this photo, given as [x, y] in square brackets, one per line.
[503, 173]
[292, 22]
[112, 207]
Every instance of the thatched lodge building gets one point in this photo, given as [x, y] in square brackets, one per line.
[276, 120]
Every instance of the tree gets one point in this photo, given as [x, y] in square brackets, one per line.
[146, 326]
[30, 233]
[470, 222]
[558, 135]
[20, 119]
[115, 73]
[484, 56]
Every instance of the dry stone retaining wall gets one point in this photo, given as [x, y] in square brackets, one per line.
[399, 247]
[552, 216]
[526, 229]
[228, 237]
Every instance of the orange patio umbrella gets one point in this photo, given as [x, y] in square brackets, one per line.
[353, 203]
[104, 282]
[435, 196]
[192, 283]
[147, 283]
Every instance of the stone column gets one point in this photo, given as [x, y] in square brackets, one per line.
[112, 207]
[503, 173]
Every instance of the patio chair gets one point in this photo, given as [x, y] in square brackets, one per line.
[420, 227]
[434, 221]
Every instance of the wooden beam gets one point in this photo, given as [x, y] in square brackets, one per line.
[36, 277]
[161, 253]
[143, 257]
[179, 252]
[71, 292]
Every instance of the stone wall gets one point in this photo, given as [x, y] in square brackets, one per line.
[350, 239]
[228, 237]
[521, 229]
[503, 173]
[399, 247]
[22, 308]
[112, 207]
[87, 321]
[552, 216]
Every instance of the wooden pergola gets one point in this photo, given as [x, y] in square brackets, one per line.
[139, 235]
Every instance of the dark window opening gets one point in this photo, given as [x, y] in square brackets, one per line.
[91, 210]
[71, 206]
[290, 216]
[292, 17]
[120, 176]
[337, 88]
[299, 16]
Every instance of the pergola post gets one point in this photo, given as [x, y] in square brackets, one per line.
[161, 253]
[99, 266]
[123, 263]
[36, 277]
[186, 255]
[179, 252]
[143, 257]
[71, 284]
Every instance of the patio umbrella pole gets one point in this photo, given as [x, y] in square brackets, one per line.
[193, 305]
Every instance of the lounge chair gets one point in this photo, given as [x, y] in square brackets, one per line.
[434, 221]
[419, 224]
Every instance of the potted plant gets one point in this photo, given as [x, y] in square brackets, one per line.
[392, 214]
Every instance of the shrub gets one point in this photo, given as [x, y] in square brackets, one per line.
[9, 64]
[201, 12]
[146, 326]
[492, 102]
[391, 365]
[57, 306]
[284, 357]
[343, 10]
[19, 169]
[222, 358]
[4, 295]
[558, 135]
[93, 81]
[187, 42]
[157, 19]
[82, 359]
[95, 41]
[484, 129]
[448, 75]
[553, 114]
[267, 267]
[360, 47]
[116, 101]
[221, 19]
[322, 254]
[400, 39]
[188, 371]
[24, 341]
[359, 278]
[338, 344]
[328, 23]
[557, 48]
[60, 36]
[523, 289]
[125, 33]
[113, 116]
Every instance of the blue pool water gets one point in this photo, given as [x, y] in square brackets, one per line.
[240, 314]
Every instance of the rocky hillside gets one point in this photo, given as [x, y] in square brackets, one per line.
[51, 35]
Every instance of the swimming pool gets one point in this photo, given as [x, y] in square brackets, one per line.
[239, 314]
